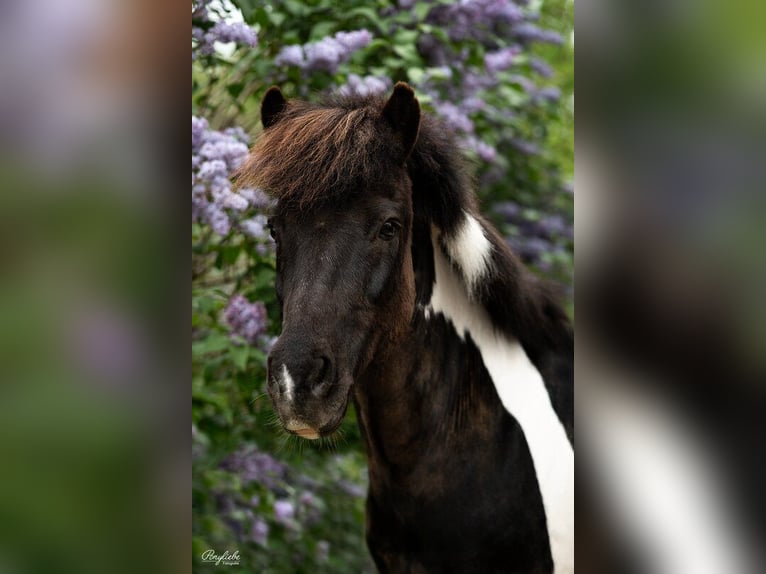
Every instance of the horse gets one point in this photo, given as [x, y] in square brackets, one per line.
[398, 295]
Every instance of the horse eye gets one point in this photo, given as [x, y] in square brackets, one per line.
[389, 229]
[272, 232]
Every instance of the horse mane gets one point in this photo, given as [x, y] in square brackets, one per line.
[320, 152]
[323, 152]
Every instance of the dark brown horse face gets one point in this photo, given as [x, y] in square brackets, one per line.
[344, 279]
[344, 264]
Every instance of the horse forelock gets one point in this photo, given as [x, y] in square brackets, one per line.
[315, 153]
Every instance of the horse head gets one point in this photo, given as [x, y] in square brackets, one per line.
[343, 230]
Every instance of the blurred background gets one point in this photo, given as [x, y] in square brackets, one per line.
[670, 180]
[499, 74]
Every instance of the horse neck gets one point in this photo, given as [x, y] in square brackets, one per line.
[422, 393]
[430, 386]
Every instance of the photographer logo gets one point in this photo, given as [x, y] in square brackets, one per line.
[226, 559]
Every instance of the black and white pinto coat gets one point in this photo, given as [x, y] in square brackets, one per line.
[469, 423]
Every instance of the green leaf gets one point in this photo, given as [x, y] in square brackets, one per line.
[277, 18]
[239, 356]
[415, 75]
[421, 10]
[235, 89]
[321, 30]
[213, 343]
[406, 37]
[366, 13]
[407, 53]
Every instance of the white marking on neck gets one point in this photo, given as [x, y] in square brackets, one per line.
[471, 251]
[523, 394]
[288, 382]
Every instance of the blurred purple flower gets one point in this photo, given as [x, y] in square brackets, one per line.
[500, 60]
[326, 54]
[541, 67]
[355, 40]
[525, 147]
[454, 117]
[548, 94]
[204, 40]
[215, 156]
[284, 512]
[508, 210]
[364, 86]
[291, 55]
[260, 532]
[529, 32]
[255, 227]
[248, 320]
[253, 465]
[237, 32]
[256, 197]
[199, 126]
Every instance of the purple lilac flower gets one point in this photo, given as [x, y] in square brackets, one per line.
[255, 227]
[284, 512]
[256, 197]
[509, 210]
[551, 226]
[215, 155]
[364, 86]
[324, 55]
[528, 32]
[473, 104]
[535, 240]
[310, 508]
[529, 248]
[253, 465]
[260, 532]
[475, 19]
[525, 147]
[205, 38]
[548, 94]
[500, 60]
[238, 133]
[353, 41]
[485, 151]
[248, 320]
[541, 67]
[328, 53]
[199, 126]
[290, 56]
[218, 220]
[237, 32]
[454, 117]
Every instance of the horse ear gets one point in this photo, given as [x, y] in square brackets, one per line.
[402, 111]
[272, 105]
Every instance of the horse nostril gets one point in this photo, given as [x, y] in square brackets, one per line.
[322, 378]
[324, 370]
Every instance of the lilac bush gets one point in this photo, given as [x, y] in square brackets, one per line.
[215, 156]
[206, 31]
[326, 54]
